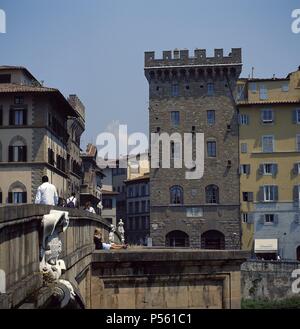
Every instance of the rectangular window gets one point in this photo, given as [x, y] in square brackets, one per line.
[267, 116]
[263, 92]
[137, 190]
[19, 100]
[211, 117]
[296, 116]
[143, 206]
[143, 190]
[137, 207]
[245, 217]
[5, 78]
[297, 168]
[244, 119]
[18, 117]
[130, 192]
[130, 207]
[175, 118]
[19, 197]
[268, 144]
[253, 87]
[270, 193]
[269, 168]
[248, 196]
[285, 87]
[245, 169]
[269, 218]
[210, 89]
[175, 90]
[244, 147]
[240, 92]
[50, 156]
[211, 149]
[298, 143]
[107, 203]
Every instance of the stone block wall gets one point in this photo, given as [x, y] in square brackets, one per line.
[268, 280]
[162, 279]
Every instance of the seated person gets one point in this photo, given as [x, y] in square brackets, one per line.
[105, 246]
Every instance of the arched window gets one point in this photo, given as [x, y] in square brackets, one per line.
[212, 194]
[176, 195]
[17, 150]
[177, 239]
[213, 240]
[17, 193]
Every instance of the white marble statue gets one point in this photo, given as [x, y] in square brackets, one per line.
[51, 266]
[121, 230]
[111, 236]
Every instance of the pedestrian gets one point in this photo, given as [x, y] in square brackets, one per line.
[88, 207]
[72, 201]
[46, 193]
[100, 245]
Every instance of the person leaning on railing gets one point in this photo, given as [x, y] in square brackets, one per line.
[100, 245]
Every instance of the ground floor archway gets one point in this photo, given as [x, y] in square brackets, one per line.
[213, 240]
[177, 239]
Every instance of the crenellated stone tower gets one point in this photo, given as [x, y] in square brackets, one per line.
[195, 94]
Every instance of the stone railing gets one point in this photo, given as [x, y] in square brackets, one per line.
[20, 244]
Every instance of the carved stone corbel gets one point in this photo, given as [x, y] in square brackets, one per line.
[51, 266]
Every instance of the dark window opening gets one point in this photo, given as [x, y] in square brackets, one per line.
[5, 78]
[177, 239]
[107, 203]
[214, 240]
[17, 154]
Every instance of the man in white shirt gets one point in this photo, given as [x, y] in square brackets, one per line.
[46, 193]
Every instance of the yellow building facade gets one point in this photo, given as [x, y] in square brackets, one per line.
[269, 117]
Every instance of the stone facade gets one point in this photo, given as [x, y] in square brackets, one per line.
[76, 127]
[33, 124]
[192, 87]
[137, 224]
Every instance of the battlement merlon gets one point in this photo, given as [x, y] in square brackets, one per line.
[178, 58]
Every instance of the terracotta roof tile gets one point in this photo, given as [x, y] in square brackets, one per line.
[12, 88]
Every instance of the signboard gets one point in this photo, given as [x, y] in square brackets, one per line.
[266, 245]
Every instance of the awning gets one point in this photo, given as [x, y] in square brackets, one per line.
[265, 245]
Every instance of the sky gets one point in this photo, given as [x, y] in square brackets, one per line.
[95, 48]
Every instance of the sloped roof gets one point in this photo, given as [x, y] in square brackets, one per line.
[12, 88]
